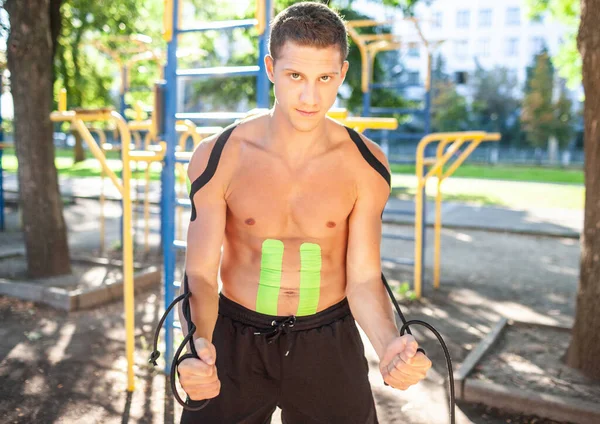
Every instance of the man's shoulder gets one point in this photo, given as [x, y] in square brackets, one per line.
[225, 146]
[365, 157]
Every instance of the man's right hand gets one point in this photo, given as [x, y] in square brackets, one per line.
[198, 377]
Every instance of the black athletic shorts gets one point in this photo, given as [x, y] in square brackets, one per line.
[312, 367]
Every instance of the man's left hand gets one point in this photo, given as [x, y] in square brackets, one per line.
[401, 365]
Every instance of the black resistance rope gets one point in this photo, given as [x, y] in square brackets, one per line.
[198, 405]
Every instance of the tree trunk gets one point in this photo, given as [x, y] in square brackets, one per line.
[29, 54]
[584, 351]
[78, 152]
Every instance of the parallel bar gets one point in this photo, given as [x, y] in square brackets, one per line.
[211, 116]
[209, 26]
[220, 71]
[401, 261]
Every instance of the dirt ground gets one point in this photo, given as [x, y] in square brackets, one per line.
[57, 367]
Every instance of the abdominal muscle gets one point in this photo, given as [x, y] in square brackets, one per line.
[244, 283]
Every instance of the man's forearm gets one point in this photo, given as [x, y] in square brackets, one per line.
[372, 310]
[204, 305]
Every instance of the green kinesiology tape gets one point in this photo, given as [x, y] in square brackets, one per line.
[270, 277]
[310, 278]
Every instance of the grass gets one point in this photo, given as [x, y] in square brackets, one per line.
[90, 167]
[511, 194]
[508, 173]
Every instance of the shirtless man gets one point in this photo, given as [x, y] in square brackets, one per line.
[295, 199]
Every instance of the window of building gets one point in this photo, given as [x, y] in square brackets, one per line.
[461, 49]
[436, 20]
[513, 16]
[460, 77]
[512, 47]
[537, 45]
[537, 19]
[413, 50]
[462, 18]
[485, 18]
[413, 78]
[483, 47]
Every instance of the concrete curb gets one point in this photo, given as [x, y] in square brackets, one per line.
[73, 300]
[514, 399]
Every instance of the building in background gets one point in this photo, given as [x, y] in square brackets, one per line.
[485, 33]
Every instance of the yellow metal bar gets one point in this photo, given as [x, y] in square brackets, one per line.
[418, 271]
[368, 22]
[437, 232]
[261, 16]
[363, 123]
[77, 120]
[101, 142]
[147, 209]
[338, 113]
[62, 100]
[79, 125]
[168, 20]
[128, 293]
[455, 140]
[139, 113]
[140, 125]
[468, 151]
[85, 116]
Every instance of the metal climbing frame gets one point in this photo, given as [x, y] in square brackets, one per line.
[78, 121]
[169, 199]
[369, 45]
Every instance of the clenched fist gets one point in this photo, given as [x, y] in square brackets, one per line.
[198, 377]
[401, 366]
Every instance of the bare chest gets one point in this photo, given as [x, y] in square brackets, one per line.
[267, 199]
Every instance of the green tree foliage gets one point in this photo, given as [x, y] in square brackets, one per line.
[449, 109]
[537, 114]
[87, 74]
[542, 116]
[567, 60]
[495, 105]
[216, 94]
[90, 76]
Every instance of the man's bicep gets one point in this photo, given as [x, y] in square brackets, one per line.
[363, 259]
[207, 227]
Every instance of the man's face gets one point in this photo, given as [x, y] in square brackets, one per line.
[306, 81]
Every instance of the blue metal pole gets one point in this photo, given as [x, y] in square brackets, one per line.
[168, 182]
[366, 103]
[2, 225]
[263, 84]
[124, 84]
[427, 130]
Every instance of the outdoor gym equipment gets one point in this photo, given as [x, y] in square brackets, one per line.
[78, 120]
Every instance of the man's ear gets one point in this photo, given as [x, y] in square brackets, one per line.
[344, 71]
[269, 67]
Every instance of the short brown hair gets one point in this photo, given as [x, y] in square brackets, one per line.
[308, 24]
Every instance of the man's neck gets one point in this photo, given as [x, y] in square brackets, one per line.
[295, 147]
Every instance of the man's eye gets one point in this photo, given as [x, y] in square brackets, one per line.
[295, 76]
[325, 78]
